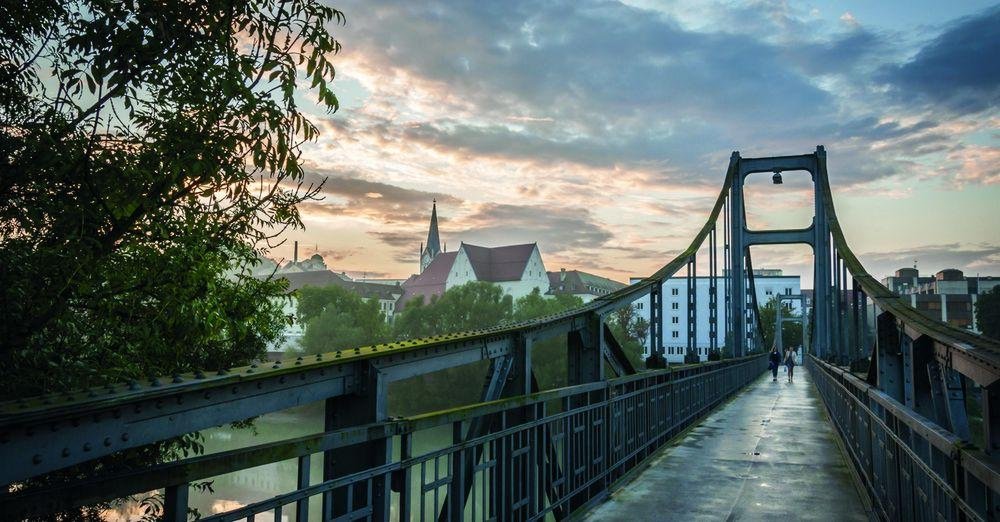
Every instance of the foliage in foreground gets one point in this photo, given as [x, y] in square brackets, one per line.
[148, 148]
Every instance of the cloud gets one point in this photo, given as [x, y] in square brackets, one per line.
[350, 195]
[958, 69]
[556, 230]
[980, 165]
[602, 130]
[970, 258]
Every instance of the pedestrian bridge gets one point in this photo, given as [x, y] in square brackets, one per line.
[770, 453]
[913, 408]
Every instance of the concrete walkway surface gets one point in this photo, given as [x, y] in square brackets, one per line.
[769, 454]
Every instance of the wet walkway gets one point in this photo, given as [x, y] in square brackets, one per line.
[769, 454]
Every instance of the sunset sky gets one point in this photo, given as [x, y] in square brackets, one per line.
[602, 130]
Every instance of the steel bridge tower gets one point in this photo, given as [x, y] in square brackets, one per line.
[817, 235]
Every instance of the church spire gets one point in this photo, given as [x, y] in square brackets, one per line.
[433, 239]
[433, 247]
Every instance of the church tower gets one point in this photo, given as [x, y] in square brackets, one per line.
[433, 247]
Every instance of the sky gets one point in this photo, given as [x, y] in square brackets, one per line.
[602, 130]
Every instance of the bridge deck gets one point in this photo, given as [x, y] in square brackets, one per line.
[768, 454]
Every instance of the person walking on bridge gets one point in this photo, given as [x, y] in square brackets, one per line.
[790, 362]
[775, 361]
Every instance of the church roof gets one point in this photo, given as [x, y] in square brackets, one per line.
[431, 281]
[498, 264]
[577, 282]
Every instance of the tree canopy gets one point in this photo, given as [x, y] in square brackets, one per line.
[336, 318]
[476, 304]
[147, 149]
[630, 329]
[791, 332]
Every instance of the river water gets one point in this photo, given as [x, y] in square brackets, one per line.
[234, 490]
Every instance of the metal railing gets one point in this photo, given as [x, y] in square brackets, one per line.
[551, 452]
[912, 468]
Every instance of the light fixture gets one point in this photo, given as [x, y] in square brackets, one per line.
[776, 178]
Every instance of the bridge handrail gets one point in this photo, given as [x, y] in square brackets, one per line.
[899, 425]
[97, 489]
[978, 357]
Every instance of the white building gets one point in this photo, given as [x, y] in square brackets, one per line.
[517, 269]
[769, 283]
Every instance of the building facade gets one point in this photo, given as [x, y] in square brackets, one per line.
[769, 284]
[947, 296]
[581, 284]
[516, 269]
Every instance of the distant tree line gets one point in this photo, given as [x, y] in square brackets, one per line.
[336, 318]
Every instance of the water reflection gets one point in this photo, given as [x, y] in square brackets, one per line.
[235, 490]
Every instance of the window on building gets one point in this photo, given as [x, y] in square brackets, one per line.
[768, 292]
[674, 306]
[674, 320]
[674, 291]
[674, 334]
[640, 306]
[788, 291]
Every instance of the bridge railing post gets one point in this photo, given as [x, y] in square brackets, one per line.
[175, 503]
[368, 404]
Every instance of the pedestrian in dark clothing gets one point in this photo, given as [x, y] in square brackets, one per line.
[790, 362]
[775, 361]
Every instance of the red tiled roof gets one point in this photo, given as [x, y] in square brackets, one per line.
[429, 283]
[498, 264]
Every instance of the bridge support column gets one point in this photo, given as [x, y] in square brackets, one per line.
[585, 361]
[821, 257]
[713, 292]
[890, 363]
[692, 355]
[917, 355]
[949, 399]
[737, 272]
[585, 365]
[991, 417]
[367, 405]
[657, 357]
[511, 477]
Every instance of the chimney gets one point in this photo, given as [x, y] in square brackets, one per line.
[295, 254]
